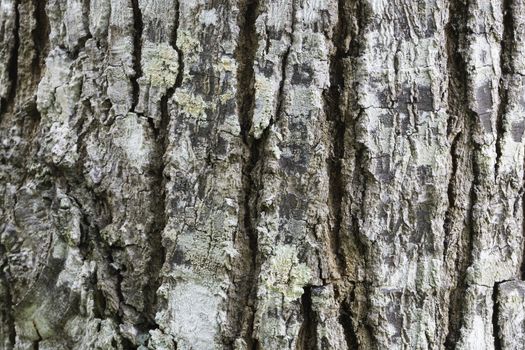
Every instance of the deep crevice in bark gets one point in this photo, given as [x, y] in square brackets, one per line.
[173, 43]
[346, 321]
[40, 38]
[137, 51]
[245, 53]
[479, 183]
[253, 159]
[284, 64]
[457, 95]
[337, 124]
[158, 250]
[307, 338]
[256, 153]
[470, 229]
[451, 195]
[522, 266]
[495, 316]
[360, 15]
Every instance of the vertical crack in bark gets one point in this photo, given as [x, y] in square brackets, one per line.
[505, 64]
[158, 193]
[284, 64]
[522, 267]
[40, 36]
[137, 51]
[457, 95]
[360, 15]
[495, 316]
[245, 54]
[451, 193]
[346, 321]
[36, 343]
[8, 301]
[307, 338]
[336, 117]
[178, 80]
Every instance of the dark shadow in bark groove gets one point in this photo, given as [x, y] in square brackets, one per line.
[284, 64]
[455, 31]
[495, 316]
[307, 338]
[173, 42]
[522, 267]
[451, 195]
[245, 55]
[40, 38]
[337, 118]
[353, 321]
[346, 321]
[137, 51]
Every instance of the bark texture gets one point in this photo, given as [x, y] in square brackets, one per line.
[262, 174]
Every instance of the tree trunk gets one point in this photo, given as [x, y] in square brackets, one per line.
[262, 174]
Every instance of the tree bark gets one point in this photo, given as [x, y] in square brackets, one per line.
[262, 174]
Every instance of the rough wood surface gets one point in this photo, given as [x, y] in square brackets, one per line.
[262, 174]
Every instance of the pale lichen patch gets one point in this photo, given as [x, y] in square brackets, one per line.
[208, 17]
[285, 274]
[160, 64]
[188, 43]
[192, 311]
[191, 104]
